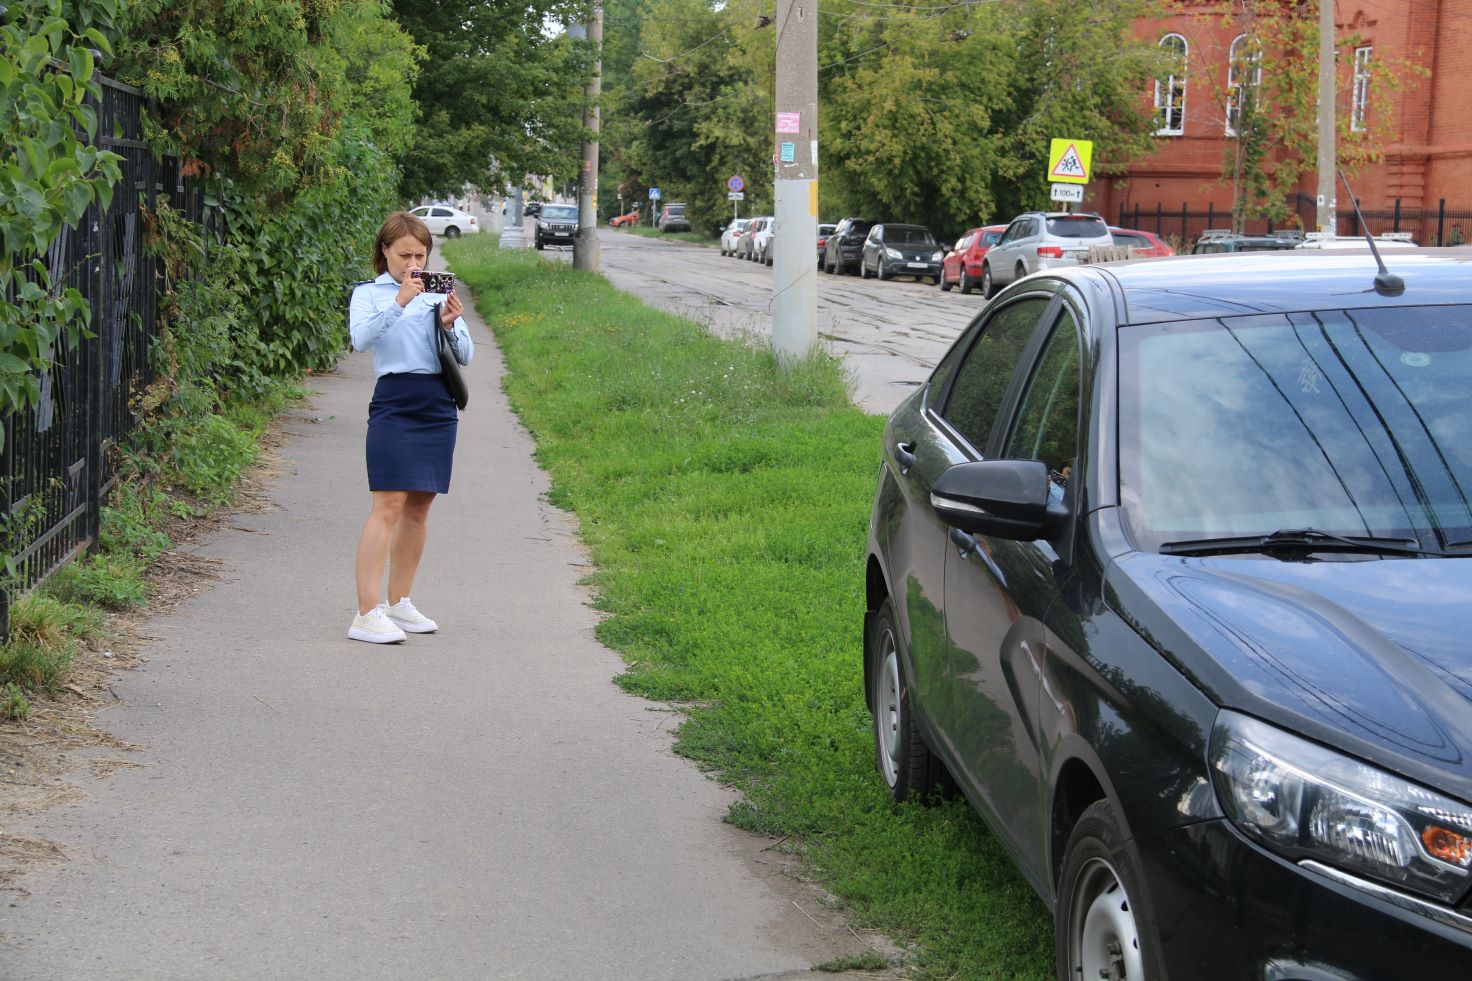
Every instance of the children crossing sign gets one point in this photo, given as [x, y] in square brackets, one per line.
[1068, 161]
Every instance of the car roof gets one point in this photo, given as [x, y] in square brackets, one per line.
[1242, 283]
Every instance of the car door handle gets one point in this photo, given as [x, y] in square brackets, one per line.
[904, 453]
[965, 543]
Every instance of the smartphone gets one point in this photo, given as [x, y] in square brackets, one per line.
[436, 282]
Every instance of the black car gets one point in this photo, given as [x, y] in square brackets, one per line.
[845, 243]
[532, 210]
[1217, 240]
[1170, 572]
[557, 224]
[901, 250]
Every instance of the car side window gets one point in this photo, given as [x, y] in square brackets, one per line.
[983, 378]
[1013, 232]
[963, 243]
[1046, 426]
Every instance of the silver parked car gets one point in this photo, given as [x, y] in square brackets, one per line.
[1041, 240]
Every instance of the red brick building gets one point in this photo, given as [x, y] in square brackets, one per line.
[1426, 140]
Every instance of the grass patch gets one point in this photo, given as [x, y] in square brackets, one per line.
[726, 504]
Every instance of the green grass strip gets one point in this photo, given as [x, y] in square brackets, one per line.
[726, 503]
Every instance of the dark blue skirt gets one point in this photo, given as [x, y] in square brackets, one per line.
[411, 434]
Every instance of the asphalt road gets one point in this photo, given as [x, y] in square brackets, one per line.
[889, 333]
[482, 803]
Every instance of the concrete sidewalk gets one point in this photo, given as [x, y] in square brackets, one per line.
[481, 803]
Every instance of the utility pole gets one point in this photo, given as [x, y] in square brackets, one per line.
[585, 246]
[1327, 205]
[794, 241]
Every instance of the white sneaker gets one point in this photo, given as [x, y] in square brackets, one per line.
[409, 619]
[375, 628]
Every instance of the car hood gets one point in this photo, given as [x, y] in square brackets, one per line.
[1370, 656]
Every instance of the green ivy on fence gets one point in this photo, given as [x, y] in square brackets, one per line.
[50, 174]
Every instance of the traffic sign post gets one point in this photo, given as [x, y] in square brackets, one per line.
[1068, 168]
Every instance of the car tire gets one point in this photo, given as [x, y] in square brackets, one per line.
[827, 266]
[945, 286]
[1019, 272]
[910, 770]
[863, 268]
[987, 286]
[541, 245]
[1101, 929]
[879, 271]
[966, 285]
[451, 231]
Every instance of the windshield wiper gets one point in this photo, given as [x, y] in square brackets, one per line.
[1299, 539]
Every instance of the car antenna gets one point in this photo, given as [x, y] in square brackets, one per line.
[1387, 283]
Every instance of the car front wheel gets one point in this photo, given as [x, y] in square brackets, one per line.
[1099, 926]
[987, 286]
[909, 768]
[945, 284]
[966, 285]
[452, 232]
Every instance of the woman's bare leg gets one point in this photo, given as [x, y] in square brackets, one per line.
[373, 545]
[407, 546]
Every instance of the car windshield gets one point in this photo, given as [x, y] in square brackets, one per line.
[674, 209]
[907, 235]
[1077, 226]
[1355, 423]
[560, 212]
[1133, 241]
[991, 238]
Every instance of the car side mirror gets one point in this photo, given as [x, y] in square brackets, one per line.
[1000, 498]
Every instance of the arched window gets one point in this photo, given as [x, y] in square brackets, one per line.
[1170, 92]
[1244, 76]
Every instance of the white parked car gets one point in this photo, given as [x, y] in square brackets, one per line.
[732, 235]
[1390, 240]
[447, 221]
[761, 242]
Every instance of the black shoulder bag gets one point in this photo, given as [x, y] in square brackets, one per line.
[449, 367]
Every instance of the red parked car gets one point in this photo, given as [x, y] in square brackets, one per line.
[962, 265]
[1147, 244]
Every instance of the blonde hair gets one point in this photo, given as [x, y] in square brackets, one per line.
[395, 227]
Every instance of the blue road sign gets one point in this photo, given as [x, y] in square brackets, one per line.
[654, 194]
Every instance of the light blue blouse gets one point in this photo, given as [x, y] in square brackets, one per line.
[401, 338]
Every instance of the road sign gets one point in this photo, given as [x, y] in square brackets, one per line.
[736, 183]
[736, 196]
[654, 194]
[1068, 192]
[1068, 161]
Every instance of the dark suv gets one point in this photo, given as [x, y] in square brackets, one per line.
[557, 224]
[672, 219]
[845, 244]
[1217, 240]
[1169, 567]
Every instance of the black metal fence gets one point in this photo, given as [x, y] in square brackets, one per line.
[1428, 226]
[56, 466]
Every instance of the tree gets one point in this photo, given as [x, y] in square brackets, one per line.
[498, 95]
[1269, 105]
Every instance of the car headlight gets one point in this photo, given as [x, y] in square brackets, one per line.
[1305, 801]
[893, 253]
[937, 256]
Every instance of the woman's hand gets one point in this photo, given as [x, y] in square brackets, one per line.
[449, 310]
[411, 287]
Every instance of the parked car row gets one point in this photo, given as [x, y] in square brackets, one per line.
[983, 259]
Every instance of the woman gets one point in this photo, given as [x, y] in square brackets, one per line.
[411, 423]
